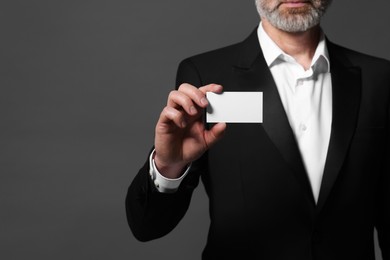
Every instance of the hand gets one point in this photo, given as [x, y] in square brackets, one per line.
[180, 135]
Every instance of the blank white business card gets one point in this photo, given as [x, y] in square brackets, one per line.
[235, 107]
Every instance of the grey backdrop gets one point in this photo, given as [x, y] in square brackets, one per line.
[81, 85]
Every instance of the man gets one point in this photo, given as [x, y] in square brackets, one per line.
[311, 182]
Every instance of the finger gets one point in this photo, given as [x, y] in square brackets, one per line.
[214, 134]
[169, 115]
[179, 99]
[216, 88]
[196, 95]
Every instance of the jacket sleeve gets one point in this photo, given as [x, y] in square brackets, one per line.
[152, 214]
[383, 216]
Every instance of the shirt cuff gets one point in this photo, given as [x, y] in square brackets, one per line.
[164, 184]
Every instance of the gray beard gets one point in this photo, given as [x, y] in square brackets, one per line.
[292, 23]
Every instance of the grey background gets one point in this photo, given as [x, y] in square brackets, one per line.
[81, 86]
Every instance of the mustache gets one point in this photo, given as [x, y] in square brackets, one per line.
[280, 2]
[295, 1]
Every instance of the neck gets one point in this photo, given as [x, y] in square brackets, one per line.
[300, 45]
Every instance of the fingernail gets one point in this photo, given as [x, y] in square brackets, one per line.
[183, 123]
[193, 110]
[204, 101]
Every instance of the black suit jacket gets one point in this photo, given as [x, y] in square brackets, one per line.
[261, 203]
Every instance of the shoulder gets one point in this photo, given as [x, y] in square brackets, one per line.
[215, 58]
[359, 59]
[218, 64]
[208, 67]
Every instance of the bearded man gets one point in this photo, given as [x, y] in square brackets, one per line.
[311, 182]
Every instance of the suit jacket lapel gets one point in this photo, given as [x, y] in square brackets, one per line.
[254, 74]
[346, 91]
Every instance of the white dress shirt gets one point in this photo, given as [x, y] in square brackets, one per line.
[307, 99]
[162, 183]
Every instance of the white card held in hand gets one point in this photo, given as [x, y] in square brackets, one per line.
[235, 107]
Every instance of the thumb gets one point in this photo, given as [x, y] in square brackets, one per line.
[214, 134]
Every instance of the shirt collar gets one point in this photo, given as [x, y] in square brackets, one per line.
[272, 52]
